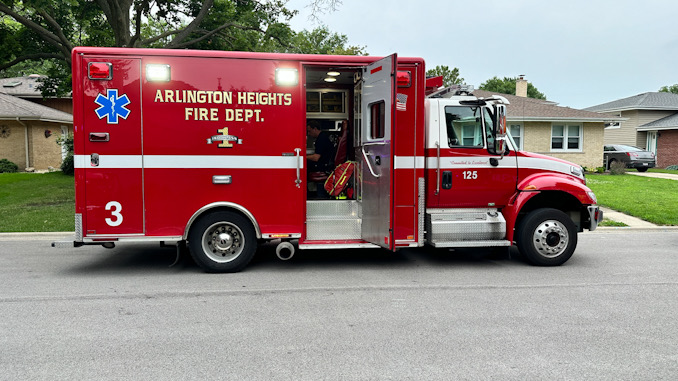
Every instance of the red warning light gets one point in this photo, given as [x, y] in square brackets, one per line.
[100, 70]
[404, 78]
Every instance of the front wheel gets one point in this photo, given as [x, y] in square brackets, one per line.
[222, 242]
[547, 237]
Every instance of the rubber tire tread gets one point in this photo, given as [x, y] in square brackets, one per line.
[531, 222]
[201, 258]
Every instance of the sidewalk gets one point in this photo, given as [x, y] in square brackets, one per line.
[669, 176]
[631, 221]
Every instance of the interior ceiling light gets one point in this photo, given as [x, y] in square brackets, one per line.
[330, 79]
[333, 73]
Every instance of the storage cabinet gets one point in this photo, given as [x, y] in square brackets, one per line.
[326, 104]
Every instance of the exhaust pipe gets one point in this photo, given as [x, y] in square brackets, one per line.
[284, 251]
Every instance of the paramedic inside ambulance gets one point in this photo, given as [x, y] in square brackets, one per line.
[322, 158]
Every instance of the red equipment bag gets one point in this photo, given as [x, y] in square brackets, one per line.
[339, 178]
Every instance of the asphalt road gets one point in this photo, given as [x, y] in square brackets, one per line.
[92, 313]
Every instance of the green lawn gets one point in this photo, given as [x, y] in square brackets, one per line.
[31, 202]
[653, 200]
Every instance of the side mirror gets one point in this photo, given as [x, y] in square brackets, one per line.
[500, 129]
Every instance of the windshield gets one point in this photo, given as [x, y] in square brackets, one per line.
[465, 126]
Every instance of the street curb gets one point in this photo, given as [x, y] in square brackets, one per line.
[39, 236]
[658, 228]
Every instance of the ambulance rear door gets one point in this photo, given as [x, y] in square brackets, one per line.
[112, 158]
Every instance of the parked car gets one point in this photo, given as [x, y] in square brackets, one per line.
[632, 157]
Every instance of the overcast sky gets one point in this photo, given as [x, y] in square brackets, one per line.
[579, 53]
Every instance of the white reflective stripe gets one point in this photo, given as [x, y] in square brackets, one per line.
[458, 162]
[108, 161]
[231, 161]
[408, 162]
[81, 161]
[190, 161]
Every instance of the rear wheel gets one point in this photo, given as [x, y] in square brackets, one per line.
[222, 242]
[547, 237]
[642, 169]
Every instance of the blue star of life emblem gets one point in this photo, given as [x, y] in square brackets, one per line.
[112, 106]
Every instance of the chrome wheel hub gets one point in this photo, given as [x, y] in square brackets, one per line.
[223, 242]
[550, 238]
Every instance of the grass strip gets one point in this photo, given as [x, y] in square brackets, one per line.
[32, 202]
[650, 199]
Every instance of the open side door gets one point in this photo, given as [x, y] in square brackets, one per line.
[375, 154]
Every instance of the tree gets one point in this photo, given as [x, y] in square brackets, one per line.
[450, 77]
[319, 7]
[39, 30]
[669, 89]
[508, 86]
[321, 41]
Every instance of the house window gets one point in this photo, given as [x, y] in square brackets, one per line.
[516, 131]
[566, 137]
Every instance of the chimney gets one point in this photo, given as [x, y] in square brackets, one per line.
[521, 86]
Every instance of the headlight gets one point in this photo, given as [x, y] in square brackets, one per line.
[577, 171]
[593, 196]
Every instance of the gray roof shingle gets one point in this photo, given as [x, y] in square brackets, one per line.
[12, 108]
[521, 108]
[24, 87]
[644, 101]
[667, 123]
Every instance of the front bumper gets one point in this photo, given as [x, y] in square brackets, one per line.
[595, 216]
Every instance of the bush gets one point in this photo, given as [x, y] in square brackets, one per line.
[618, 168]
[67, 164]
[600, 170]
[672, 167]
[7, 166]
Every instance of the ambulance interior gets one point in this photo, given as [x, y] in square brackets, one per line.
[331, 103]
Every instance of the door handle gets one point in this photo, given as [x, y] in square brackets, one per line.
[447, 179]
[99, 137]
[298, 180]
[367, 160]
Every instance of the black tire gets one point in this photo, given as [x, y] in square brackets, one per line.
[222, 242]
[547, 237]
[642, 169]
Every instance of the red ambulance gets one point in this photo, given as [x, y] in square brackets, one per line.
[209, 149]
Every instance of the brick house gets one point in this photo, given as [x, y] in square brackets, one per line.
[29, 132]
[651, 122]
[543, 127]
